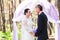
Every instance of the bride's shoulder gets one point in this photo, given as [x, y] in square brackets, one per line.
[23, 18]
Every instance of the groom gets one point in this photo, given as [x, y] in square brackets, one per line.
[41, 31]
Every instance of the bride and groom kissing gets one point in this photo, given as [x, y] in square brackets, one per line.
[27, 33]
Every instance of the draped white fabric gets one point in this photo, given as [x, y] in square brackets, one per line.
[48, 8]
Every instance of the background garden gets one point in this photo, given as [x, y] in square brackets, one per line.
[7, 9]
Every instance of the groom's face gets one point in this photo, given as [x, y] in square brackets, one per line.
[37, 10]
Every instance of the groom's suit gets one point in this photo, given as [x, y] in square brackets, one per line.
[41, 31]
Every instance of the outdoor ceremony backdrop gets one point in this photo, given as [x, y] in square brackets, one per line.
[7, 9]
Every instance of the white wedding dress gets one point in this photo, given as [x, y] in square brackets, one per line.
[26, 27]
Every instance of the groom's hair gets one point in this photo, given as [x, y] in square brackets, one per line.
[26, 10]
[40, 7]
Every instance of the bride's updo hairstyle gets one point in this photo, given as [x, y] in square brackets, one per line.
[26, 10]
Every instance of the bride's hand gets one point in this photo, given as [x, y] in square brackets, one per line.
[32, 33]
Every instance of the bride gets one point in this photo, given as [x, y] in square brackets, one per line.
[26, 26]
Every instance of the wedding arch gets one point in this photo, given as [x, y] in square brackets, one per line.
[48, 9]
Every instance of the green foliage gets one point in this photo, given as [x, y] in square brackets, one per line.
[19, 34]
[6, 36]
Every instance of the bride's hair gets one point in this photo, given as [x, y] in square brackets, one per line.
[26, 10]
